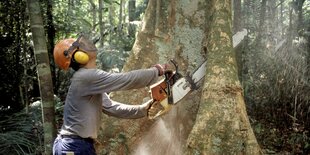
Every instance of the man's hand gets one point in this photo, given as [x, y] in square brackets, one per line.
[154, 109]
[147, 104]
[161, 68]
[151, 108]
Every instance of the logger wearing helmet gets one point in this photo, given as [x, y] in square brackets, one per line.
[87, 96]
[73, 53]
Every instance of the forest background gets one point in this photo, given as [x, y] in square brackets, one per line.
[273, 65]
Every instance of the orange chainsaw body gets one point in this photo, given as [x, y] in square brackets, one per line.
[161, 92]
[158, 90]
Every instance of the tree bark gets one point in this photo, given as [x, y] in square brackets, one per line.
[222, 125]
[44, 74]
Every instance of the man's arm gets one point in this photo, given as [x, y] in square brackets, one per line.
[101, 81]
[121, 110]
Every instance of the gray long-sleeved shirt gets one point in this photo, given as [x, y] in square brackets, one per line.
[87, 98]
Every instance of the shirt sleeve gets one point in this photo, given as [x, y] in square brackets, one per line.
[102, 81]
[121, 110]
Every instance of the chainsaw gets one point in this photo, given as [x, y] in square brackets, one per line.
[173, 88]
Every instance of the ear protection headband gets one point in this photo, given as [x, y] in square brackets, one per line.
[79, 56]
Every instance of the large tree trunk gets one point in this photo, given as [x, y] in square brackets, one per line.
[222, 125]
[180, 30]
[44, 74]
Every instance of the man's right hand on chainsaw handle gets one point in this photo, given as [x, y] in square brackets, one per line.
[161, 91]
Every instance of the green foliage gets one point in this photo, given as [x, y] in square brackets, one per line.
[15, 51]
[277, 96]
[273, 140]
[21, 133]
[275, 77]
[59, 107]
[113, 56]
[112, 60]
[16, 143]
[279, 78]
[71, 18]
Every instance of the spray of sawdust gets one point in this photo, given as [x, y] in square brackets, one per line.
[159, 141]
[166, 136]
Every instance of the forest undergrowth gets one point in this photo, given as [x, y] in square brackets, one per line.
[276, 88]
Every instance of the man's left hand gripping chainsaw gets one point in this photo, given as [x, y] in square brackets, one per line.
[174, 87]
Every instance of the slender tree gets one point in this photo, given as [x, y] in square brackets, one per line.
[44, 73]
[94, 13]
[298, 8]
[131, 17]
[237, 16]
[131, 10]
[281, 18]
[290, 30]
[50, 37]
[101, 23]
[271, 22]
[111, 21]
[120, 18]
[262, 17]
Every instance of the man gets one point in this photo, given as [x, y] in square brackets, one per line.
[87, 96]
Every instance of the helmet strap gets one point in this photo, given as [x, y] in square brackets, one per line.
[74, 47]
[74, 65]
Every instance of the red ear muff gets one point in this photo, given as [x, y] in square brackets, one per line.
[81, 57]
